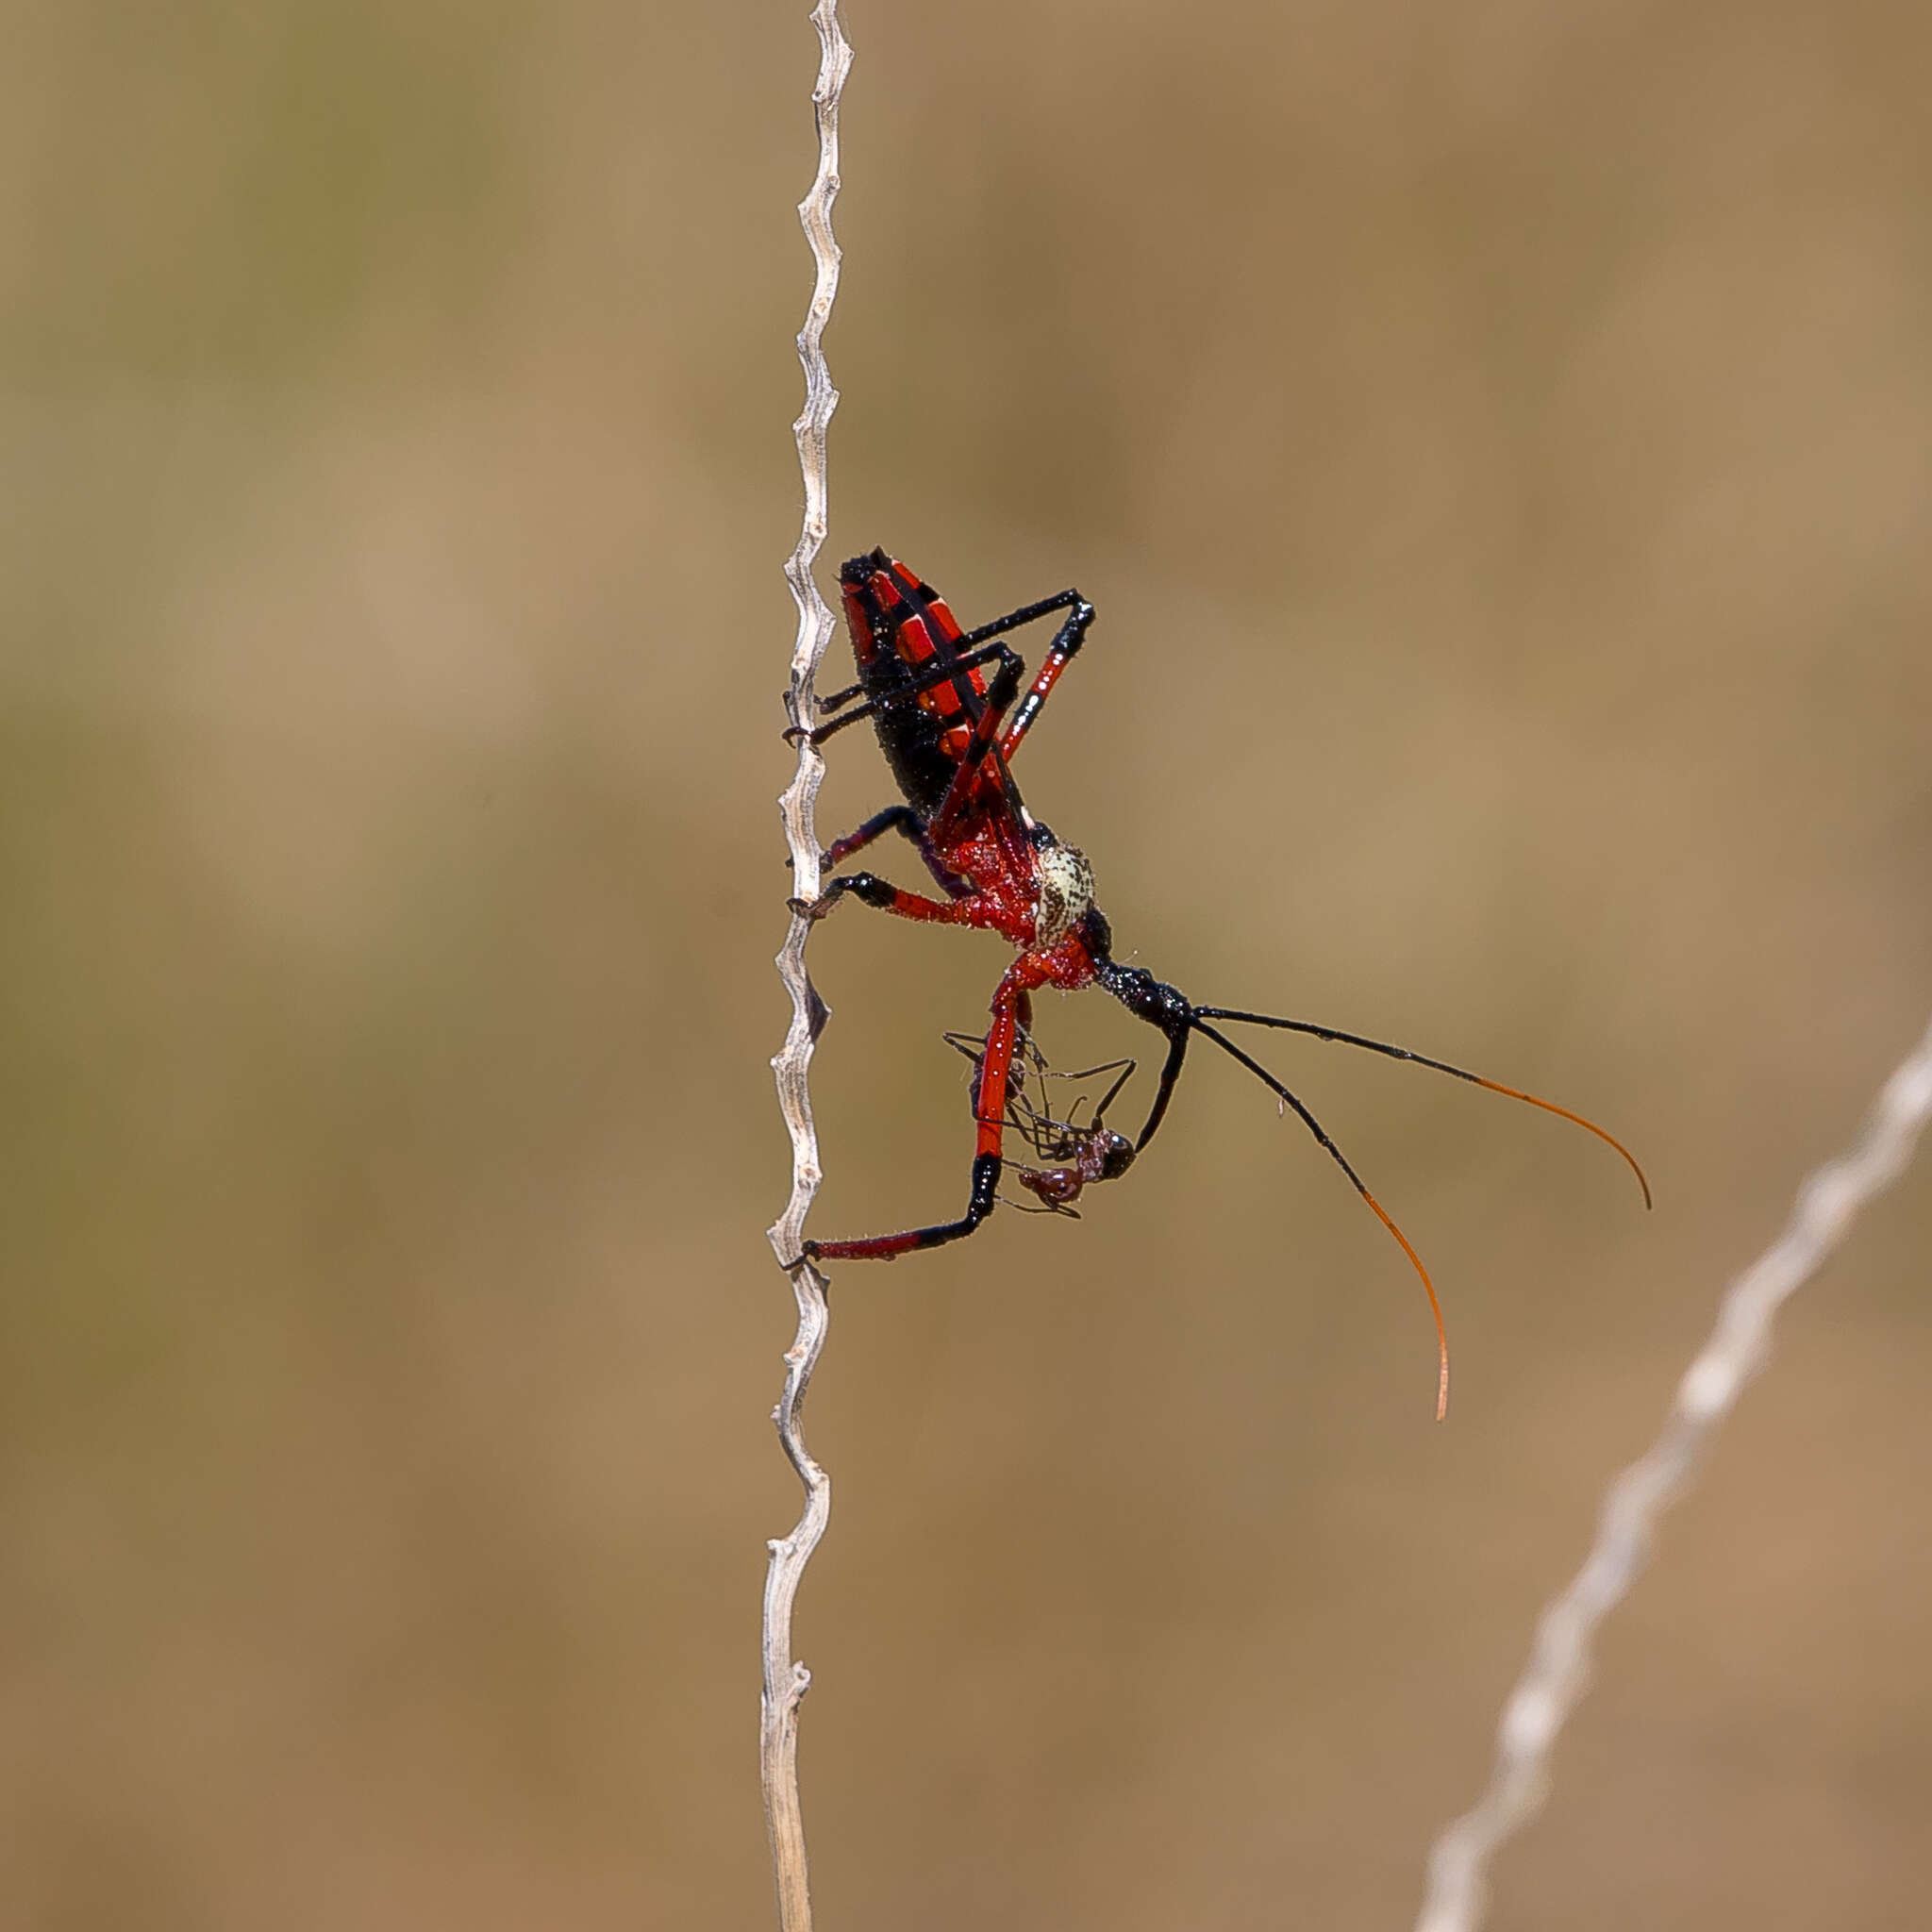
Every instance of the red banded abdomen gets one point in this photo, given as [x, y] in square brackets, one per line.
[902, 630]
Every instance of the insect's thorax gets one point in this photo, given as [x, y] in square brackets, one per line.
[1045, 901]
[1063, 887]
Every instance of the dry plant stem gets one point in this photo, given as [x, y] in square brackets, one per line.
[1557, 1672]
[785, 1679]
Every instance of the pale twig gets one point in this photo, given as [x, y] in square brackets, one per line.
[786, 1680]
[1557, 1672]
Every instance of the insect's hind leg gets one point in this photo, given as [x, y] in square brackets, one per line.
[1060, 653]
[970, 651]
[983, 745]
[943, 672]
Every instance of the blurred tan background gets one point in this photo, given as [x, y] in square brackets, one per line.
[1496, 440]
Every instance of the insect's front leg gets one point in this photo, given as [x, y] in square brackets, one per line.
[989, 1110]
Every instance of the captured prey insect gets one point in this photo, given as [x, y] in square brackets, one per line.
[1080, 1154]
[950, 734]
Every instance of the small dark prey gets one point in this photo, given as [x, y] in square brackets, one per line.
[951, 733]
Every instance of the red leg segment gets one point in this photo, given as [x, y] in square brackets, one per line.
[1072, 635]
[888, 897]
[964, 791]
[994, 1068]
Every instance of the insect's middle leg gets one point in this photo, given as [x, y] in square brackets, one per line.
[904, 820]
[941, 672]
[870, 890]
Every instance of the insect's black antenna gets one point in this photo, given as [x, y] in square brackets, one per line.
[1340, 1159]
[1422, 1059]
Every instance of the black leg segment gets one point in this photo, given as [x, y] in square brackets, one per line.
[888, 1247]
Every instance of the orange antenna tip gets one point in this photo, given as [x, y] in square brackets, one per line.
[1435, 1305]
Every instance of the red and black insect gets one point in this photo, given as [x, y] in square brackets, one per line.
[951, 735]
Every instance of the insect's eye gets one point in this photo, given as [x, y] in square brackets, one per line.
[1042, 836]
[1118, 1158]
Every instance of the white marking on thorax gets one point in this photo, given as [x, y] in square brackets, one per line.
[1066, 891]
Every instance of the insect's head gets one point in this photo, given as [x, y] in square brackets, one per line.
[1114, 1152]
[1094, 1153]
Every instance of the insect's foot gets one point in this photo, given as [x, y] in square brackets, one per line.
[813, 909]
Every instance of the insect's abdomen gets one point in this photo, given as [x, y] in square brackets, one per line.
[901, 631]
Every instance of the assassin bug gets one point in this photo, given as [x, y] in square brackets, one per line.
[950, 735]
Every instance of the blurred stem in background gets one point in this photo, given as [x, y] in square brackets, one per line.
[1557, 1674]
